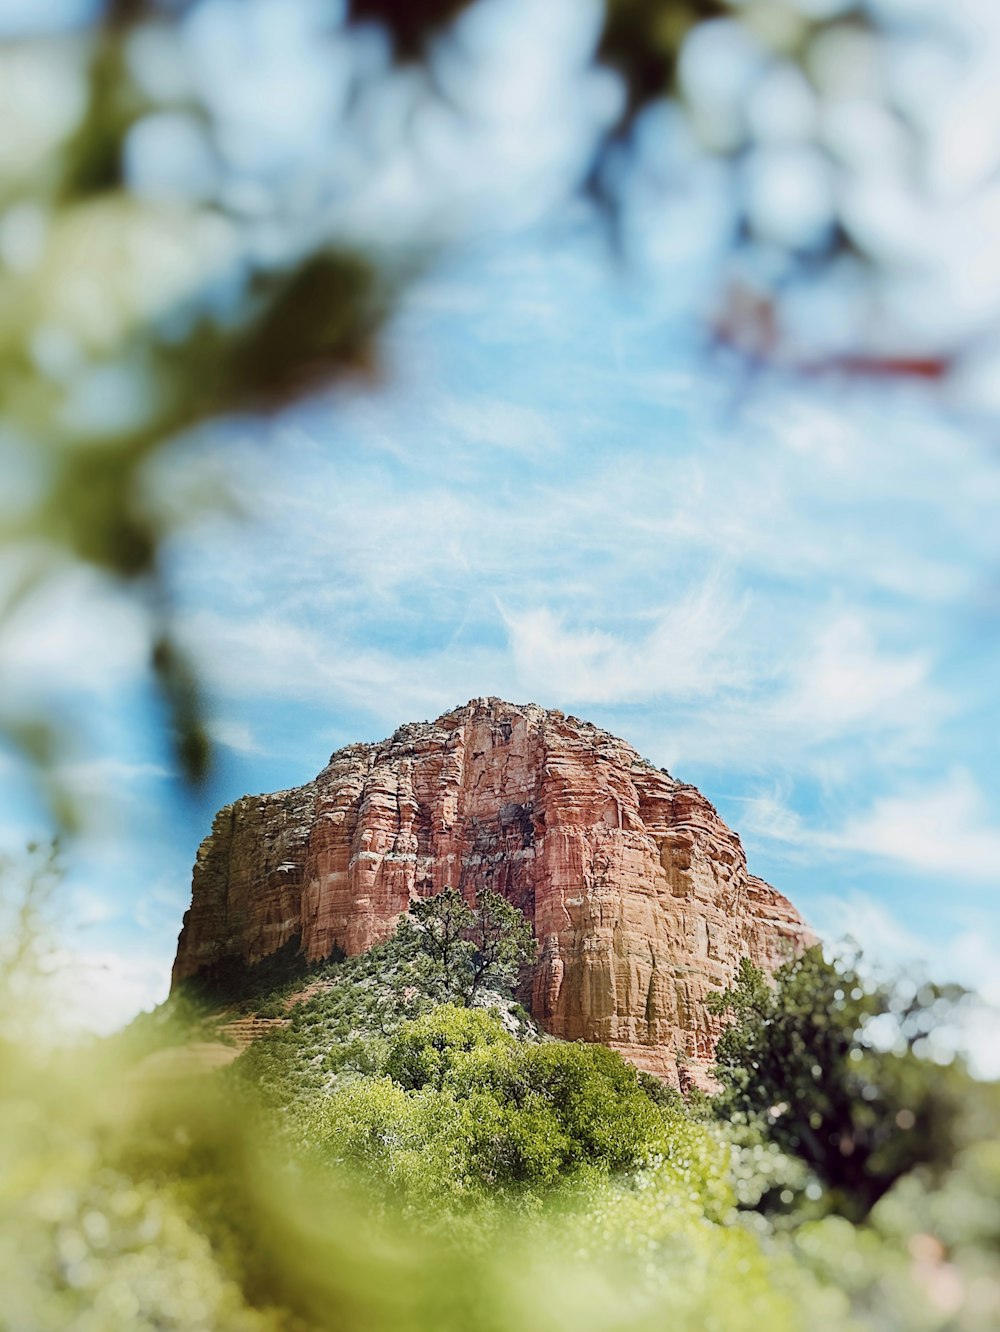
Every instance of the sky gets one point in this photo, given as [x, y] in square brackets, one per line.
[784, 594]
[784, 591]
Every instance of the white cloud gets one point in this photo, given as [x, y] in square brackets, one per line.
[768, 635]
[273, 657]
[845, 681]
[234, 735]
[832, 700]
[800, 488]
[499, 424]
[945, 831]
[688, 652]
[99, 990]
[768, 816]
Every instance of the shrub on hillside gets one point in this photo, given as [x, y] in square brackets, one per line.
[464, 1107]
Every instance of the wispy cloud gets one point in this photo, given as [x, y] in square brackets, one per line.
[686, 649]
[946, 831]
[235, 735]
[833, 700]
[767, 815]
[276, 658]
[845, 682]
[500, 424]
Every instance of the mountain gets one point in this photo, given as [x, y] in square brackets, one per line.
[638, 892]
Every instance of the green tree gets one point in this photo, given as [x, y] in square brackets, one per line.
[504, 943]
[423, 1053]
[435, 934]
[466, 1106]
[466, 949]
[803, 1060]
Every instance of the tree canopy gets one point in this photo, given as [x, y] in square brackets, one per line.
[465, 949]
[836, 1069]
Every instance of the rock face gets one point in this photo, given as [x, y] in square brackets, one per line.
[638, 892]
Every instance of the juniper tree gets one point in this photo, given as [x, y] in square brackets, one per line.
[465, 949]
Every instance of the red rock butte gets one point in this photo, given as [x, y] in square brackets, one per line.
[638, 893]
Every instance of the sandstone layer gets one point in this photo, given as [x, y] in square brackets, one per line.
[637, 891]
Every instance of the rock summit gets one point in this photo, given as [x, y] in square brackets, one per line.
[638, 892]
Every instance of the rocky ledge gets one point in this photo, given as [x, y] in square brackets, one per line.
[638, 892]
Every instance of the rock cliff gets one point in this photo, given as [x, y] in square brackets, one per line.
[638, 892]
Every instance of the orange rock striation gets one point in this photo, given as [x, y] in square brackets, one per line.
[638, 892]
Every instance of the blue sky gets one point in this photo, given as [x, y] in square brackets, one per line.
[783, 591]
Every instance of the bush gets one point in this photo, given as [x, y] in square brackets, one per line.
[260, 985]
[425, 1052]
[465, 1108]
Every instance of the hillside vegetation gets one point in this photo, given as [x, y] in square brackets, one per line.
[405, 1150]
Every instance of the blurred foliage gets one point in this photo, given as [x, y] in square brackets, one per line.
[128, 321]
[411, 25]
[642, 40]
[28, 903]
[805, 1061]
[136, 1205]
[133, 315]
[454, 1177]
